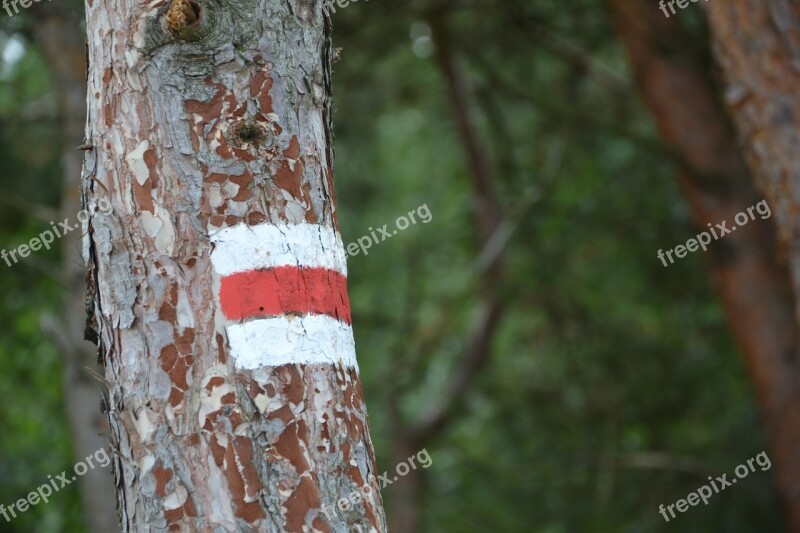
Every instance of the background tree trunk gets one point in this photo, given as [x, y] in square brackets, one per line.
[755, 288]
[487, 215]
[64, 48]
[234, 398]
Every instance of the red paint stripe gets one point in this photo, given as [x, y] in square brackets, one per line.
[286, 289]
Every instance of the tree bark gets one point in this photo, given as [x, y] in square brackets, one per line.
[755, 288]
[64, 49]
[219, 278]
[756, 44]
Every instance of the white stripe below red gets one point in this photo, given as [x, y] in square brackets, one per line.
[285, 286]
[310, 340]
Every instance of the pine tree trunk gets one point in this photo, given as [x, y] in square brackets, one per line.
[219, 278]
[757, 48]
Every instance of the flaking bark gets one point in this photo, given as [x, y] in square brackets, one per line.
[173, 114]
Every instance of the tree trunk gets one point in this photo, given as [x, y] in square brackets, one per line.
[756, 46]
[219, 278]
[673, 75]
[64, 49]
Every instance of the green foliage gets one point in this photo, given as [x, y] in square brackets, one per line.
[34, 437]
[603, 355]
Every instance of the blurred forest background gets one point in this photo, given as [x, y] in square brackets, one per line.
[593, 384]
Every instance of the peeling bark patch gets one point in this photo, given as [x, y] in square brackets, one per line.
[222, 356]
[311, 215]
[175, 397]
[218, 404]
[294, 388]
[108, 115]
[169, 356]
[299, 505]
[143, 195]
[260, 86]
[177, 359]
[217, 451]
[162, 475]
[320, 525]
[185, 343]
[142, 163]
[256, 218]
[291, 446]
[290, 170]
[214, 382]
[243, 480]
[330, 189]
[167, 313]
[353, 403]
[224, 198]
[207, 112]
[189, 508]
[244, 184]
[284, 414]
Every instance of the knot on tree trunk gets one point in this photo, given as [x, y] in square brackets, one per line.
[182, 14]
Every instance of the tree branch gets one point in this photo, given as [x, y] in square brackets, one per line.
[488, 216]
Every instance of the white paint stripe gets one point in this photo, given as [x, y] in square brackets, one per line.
[241, 248]
[308, 340]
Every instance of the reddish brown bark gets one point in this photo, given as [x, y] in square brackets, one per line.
[758, 47]
[673, 76]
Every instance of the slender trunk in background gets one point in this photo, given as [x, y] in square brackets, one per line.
[235, 402]
[674, 77]
[408, 497]
[57, 33]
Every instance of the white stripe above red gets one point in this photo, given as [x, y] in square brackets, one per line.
[241, 248]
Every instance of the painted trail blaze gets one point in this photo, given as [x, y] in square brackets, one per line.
[284, 290]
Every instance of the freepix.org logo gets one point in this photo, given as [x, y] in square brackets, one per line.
[48, 237]
[703, 239]
[719, 484]
[364, 243]
[99, 458]
[13, 3]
